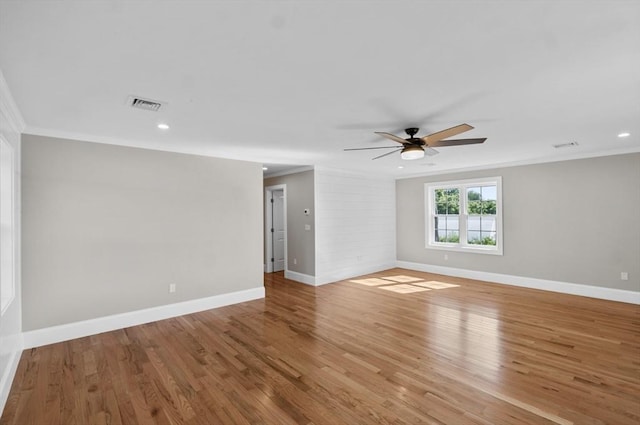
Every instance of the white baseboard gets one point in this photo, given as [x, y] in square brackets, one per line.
[529, 282]
[300, 277]
[84, 328]
[9, 372]
[336, 276]
[354, 271]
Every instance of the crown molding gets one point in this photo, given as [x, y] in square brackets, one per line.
[354, 173]
[9, 108]
[290, 171]
[534, 161]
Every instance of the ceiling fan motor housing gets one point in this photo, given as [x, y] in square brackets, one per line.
[412, 131]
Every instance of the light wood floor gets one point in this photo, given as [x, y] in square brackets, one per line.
[351, 353]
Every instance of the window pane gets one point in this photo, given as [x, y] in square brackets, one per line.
[481, 200]
[447, 201]
[453, 200]
[440, 226]
[489, 193]
[446, 229]
[453, 236]
[488, 207]
[473, 236]
[488, 223]
[474, 193]
[488, 238]
[482, 238]
[473, 223]
[441, 201]
[474, 200]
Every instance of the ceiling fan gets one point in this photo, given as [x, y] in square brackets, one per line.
[417, 147]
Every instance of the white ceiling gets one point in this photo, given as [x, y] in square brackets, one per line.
[295, 82]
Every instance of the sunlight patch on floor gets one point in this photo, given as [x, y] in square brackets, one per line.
[434, 284]
[373, 281]
[403, 284]
[403, 279]
[404, 288]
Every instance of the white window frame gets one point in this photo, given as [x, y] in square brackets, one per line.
[462, 186]
[7, 227]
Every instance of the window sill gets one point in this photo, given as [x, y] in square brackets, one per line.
[494, 250]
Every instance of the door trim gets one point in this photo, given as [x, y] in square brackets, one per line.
[268, 236]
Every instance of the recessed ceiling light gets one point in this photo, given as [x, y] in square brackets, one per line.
[163, 126]
[264, 168]
[625, 134]
[400, 166]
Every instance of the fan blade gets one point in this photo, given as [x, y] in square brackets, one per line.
[377, 147]
[388, 153]
[457, 142]
[430, 151]
[391, 137]
[449, 132]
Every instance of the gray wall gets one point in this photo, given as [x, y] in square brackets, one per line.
[106, 229]
[300, 242]
[572, 221]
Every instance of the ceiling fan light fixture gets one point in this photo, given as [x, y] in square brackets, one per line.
[412, 152]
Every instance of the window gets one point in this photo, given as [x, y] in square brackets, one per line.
[7, 231]
[465, 215]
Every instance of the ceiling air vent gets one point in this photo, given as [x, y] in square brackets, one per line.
[146, 104]
[565, 145]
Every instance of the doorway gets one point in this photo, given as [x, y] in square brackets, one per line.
[275, 228]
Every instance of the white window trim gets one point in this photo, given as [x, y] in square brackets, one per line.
[8, 237]
[463, 185]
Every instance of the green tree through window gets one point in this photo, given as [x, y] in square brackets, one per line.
[447, 201]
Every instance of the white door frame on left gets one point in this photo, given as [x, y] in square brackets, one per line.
[268, 236]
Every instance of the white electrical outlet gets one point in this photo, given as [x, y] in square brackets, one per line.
[624, 276]
[295, 261]
[172, 288]
[446, 257]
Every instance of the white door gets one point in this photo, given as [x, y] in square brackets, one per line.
[279, 233]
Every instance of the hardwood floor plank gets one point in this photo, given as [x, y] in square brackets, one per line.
[353, 352]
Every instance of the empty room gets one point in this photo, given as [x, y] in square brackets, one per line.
[319, 212]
